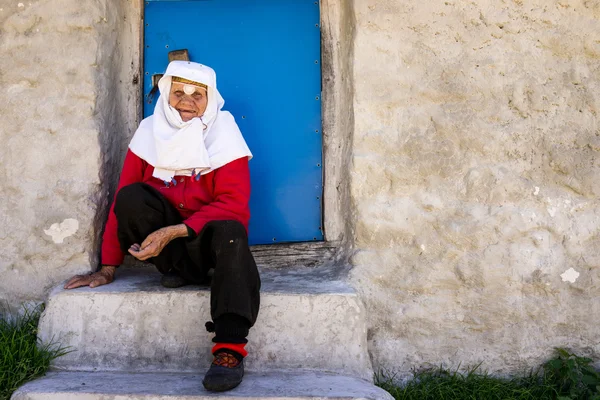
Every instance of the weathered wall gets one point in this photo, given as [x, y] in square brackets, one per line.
[62, 110]
[475, 179]
[473, 134]
[337, 34]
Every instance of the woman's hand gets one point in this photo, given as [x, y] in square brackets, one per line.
[156, 241]
[103, 277]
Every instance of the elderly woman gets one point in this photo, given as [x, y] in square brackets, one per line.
[182, 204]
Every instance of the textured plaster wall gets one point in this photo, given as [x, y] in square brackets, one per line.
[67, 100]
[337, 34]
[472, 132]
[475, 179]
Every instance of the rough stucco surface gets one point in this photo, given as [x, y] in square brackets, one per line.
[475, 180]
[337, 29]
[57, 124]
[474, 184]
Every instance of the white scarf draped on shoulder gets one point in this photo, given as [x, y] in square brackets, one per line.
[203, 144]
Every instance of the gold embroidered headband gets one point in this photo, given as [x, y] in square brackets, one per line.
[189, 82]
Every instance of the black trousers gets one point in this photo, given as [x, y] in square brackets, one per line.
[223, 245]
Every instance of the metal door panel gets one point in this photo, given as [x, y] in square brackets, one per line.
[267, 57]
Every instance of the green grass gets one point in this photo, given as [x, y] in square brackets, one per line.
[22, 357]
[565, 377]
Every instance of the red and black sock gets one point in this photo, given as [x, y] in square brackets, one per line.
[230, 334]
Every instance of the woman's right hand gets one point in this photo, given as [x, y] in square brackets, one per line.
[103, 277]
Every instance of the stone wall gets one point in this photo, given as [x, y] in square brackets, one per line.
[68, 99]
[475, 180]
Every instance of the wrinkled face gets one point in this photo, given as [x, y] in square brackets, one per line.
[190, 103]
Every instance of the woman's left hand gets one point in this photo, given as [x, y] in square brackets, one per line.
[156, 242]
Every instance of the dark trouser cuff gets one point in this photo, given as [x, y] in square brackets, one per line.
[231, 328]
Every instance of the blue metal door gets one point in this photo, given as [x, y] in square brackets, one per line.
[267, 56]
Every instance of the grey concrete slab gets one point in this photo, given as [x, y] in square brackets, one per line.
[290, 281]
[167, 386]
[134, 324]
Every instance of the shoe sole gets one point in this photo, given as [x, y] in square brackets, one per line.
[220, 388]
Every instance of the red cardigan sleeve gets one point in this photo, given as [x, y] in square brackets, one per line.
[133, 171]
[230, 197]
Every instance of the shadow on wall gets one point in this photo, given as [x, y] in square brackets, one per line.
[118, 107]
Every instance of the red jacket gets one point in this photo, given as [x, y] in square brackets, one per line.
[222, 194]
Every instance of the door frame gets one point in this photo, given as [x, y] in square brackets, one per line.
[337, 116]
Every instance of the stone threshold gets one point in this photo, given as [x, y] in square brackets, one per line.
[307, 319]
[168, 386]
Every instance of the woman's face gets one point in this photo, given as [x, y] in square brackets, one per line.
[189, 105]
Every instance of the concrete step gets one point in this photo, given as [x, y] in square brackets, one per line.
[168, 386]
[307, 320]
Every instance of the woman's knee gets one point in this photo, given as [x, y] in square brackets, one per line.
[129, 198]
[226, 233]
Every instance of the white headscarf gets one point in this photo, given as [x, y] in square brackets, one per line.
[203, 144]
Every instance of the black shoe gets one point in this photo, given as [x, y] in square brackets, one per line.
[225, 372]
[173, 280]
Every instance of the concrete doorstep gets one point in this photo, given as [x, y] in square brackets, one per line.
[168, 386]
[134, 339]
[306, 321]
